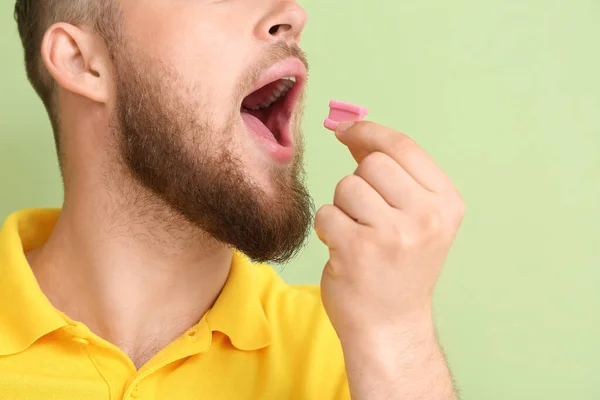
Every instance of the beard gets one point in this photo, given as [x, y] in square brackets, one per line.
[172, 146]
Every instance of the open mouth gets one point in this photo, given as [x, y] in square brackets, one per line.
[268, 110]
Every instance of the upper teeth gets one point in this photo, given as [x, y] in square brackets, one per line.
[281, 89]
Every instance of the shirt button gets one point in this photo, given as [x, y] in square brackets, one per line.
[193, 334]
[134, 392]
[81, 340]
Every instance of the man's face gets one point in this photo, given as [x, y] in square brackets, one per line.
[207, 110]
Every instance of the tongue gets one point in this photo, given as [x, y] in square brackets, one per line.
[258, 127]
[260, 95]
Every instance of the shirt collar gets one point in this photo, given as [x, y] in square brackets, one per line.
[26, 314]
[239, 311]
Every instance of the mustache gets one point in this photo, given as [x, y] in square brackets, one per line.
[278, 52]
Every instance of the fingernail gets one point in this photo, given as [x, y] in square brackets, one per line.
[344, 126]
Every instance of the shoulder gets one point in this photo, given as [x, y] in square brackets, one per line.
[293, 307]
[303, 335]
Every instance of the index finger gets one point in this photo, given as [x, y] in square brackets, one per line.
[365, 137]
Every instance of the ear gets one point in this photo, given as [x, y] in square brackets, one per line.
[78, 61]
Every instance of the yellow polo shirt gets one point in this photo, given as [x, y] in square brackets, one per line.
[263, 339]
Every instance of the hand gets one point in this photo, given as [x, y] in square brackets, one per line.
[389, 231]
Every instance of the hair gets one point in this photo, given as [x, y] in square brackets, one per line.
[34, 17]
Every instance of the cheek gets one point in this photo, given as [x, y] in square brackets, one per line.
[212, 75]
[196, 40]
[207, 54]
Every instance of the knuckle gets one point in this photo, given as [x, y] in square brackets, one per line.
[407, 240]
[403, 144]
[427, 227]
[457, 209]
[318, 220]
[323, 214]
[373, 164]
[368, 126]
[347, 186]
[459, 216]
[400, 235]
[432, 222]
[365, 248]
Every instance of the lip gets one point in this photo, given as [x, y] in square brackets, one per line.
[289, 67]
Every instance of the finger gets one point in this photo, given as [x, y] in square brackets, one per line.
[360, 201]
[367, 137]
[332, 226]
[390, 180]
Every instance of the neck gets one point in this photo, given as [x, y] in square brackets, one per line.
[128, 268]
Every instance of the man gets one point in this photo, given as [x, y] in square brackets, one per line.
[177, 129]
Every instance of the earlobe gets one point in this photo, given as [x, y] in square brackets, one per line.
[72, 57]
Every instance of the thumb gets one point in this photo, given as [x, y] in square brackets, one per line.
[341, 133]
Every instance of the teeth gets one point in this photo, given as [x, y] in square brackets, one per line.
[284, 86]
[287, 82]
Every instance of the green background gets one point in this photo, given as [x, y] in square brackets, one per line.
[506, 96]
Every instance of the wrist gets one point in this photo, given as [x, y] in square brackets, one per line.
[381, 357]
[409, 326]
[386, 348]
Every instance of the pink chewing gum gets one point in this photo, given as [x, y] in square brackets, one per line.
[340, 111]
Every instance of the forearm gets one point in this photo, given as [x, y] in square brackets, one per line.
[406, 364]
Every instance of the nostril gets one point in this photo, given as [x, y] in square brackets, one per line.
[275, 29]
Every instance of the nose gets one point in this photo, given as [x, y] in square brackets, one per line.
[285, 21]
